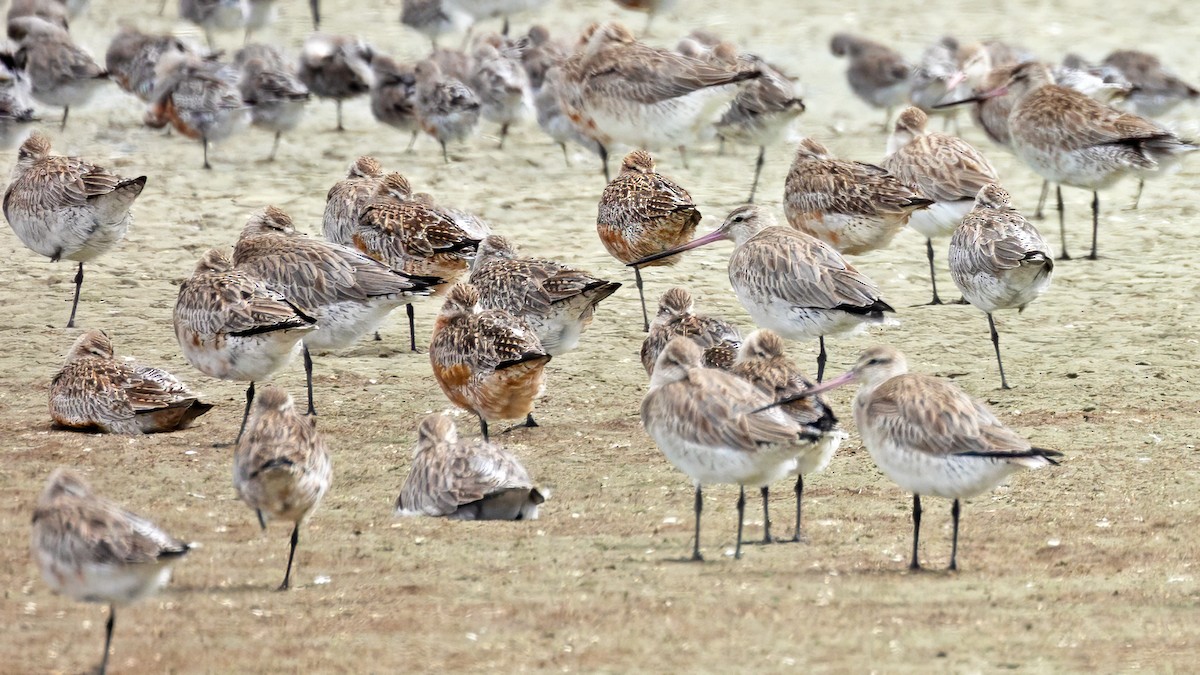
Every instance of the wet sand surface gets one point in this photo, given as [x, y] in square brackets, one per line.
[1089, 565]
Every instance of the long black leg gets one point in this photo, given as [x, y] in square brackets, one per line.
[996, 344]
[315, 6]
[916, 564]
[412, 327]
[483, 428]
[246, 414]
[1042, 200]
[604, 161]
[954, 511]
[108, 631]
[758, 165]
[308, 379]
[821, 358]
[932, 272]
[1138, 197]
[1062, 224]
[503, 134]
[799, 498]
[66, 111]
[204, 141]
[766, 497]
[637, 275]
[566, 157]
[339, 115]
[287, 577]
[699, 506]
[741, 509]
[1095, 225]
[75, 302]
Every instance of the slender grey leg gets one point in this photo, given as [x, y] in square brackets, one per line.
[108, 631]
[637, 275]
[246, 414]
[66, 111]
[503, 134]
[741, 509]
[1062, 225]
[1038, 215]
[954, 511]
[204, 141]
[797, 537]
[916, 564]
[412, 142]
[275, 146]
[932, 272]
[683, 155]
[445, 155]
[338, 102]
[766, 495]
[758, 165]
[308, 379]
[604, 161]
[699, 506]
[996, 344]
[821, 358]
[287, 578]
[566, 157]
[75, 302]
[1095, 225]
[1137, 199]
[412, 327]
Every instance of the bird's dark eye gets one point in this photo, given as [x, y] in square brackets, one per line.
[874, 362]
[738, 219]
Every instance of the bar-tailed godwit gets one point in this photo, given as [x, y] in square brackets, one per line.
[932, 438]
[270, 87]
[349, 293]
[93, 550]
[716, 428]
[199, 98]
[677, 317]
[59, 72]
[96, 390]
[763, 362]
[1156, 90]
[502, 85]
[348, 197]
[414, 237]
[1071, 139]
[336, 67]
[281, 467]
[852, 206]
[941, 167]
[232, 326]
[877, 74]
[447, 109]
[487, 361]
[556, 300]
[791, 282]
[67, 207]
[465, 480]
[394, 95]
[998, 259]
[641, 213]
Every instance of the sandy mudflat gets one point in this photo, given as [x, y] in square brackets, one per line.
[1084, 566]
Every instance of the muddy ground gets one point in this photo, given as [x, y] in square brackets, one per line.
[1085, 566]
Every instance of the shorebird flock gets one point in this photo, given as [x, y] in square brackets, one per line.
[722, 408]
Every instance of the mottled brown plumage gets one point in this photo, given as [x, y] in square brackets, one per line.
[281, 467]
[465, 480]
[91, 549]
[95, 390]
[642, 212]
[348, 197]
[487, 361]
[676, 317]
[852, 206]
[557, 301]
